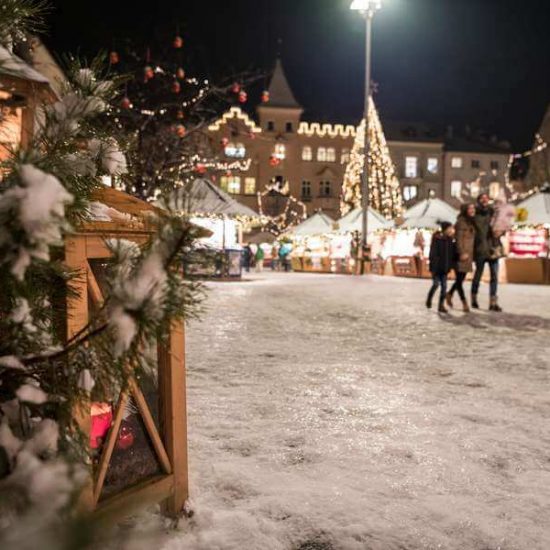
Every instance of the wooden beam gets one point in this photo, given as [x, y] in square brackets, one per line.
[93, 288]
[172, 388]
[150, 425]
[110, 445]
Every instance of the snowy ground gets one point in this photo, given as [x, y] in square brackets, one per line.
[331, 412]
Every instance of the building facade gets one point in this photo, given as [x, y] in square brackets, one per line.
[280, 156]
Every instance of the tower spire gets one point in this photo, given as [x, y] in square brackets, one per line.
[280, 92]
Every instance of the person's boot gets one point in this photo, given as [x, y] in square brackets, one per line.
[494, 305]
[430, 298]
[465, 306]
[442, 308]
[475, 303]
[449, 300]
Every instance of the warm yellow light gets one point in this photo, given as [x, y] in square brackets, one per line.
[366, 5]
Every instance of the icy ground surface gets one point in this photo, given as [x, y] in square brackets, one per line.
[331, 412]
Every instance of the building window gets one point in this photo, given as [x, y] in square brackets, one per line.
[250, 186]
[495, 165]
[476, 164]
[410, 192]
[235, 150]
[331, 154]
[494, 190]
[306, 190]
[270, 126]
[231, 184]
[322, 154]
[344, 159]
[307, 153]
[289, 128]
[280, 151]
[457, 162]
[456, 189]
[411, 167]
[325, 189]
[433, 165]
[475, 189]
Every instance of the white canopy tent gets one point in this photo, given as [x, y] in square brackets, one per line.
[318, 224]
[353, 221]
[537, 207]
[428, 214]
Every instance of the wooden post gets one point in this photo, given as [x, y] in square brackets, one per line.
[173, 410]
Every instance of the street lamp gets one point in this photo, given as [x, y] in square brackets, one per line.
[368, 8]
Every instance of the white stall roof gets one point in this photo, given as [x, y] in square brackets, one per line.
[428, 214]
[353, 221]
[538, 208]
[318, 224]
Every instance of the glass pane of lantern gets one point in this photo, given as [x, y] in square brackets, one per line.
[134, 458]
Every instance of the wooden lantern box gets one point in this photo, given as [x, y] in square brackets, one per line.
[138, 440]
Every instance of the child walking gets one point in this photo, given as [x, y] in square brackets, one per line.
[443, 256]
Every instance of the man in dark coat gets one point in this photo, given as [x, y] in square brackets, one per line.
[483, 252]
[443, 257]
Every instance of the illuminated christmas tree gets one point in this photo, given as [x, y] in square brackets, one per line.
[384, 190]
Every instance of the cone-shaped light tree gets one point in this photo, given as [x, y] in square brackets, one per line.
[384, 191]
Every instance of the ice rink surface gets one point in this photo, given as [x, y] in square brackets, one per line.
[331, 412]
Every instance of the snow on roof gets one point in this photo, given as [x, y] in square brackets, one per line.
[203, 198]
[12, 65]
[353, 221]
[428, 214]
[538, 208]
[318, 224]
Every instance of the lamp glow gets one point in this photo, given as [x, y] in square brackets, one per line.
[366, 5]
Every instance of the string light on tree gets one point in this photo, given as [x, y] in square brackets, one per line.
[385, 193]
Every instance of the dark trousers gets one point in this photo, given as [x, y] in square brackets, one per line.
[438, 280]
[459, 285]
[480, 267]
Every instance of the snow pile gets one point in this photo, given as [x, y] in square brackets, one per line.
[39, 206]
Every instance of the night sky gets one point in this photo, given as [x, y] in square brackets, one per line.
[483, 63]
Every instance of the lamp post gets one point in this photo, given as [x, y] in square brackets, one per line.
[368, 8]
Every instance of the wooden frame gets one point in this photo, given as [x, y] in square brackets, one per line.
[170, 441]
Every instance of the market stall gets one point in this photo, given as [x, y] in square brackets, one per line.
[206, 205]
[313, 244]
[528, 259]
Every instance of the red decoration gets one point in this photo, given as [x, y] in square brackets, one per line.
[225, 142]
[125, 103]
[236, 88]
[252, 135]
[102, 418]
[176, 87]
[148, 73]
[200, 169]
[274, 161]
[178, 42]
[114, 58]
[243, 96]
[180, 73]
[125, 438]
[181, 130]
[265, 97]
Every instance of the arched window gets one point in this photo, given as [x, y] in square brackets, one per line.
[322, 154]
[307, 153]
[280, 151]
[331, 154]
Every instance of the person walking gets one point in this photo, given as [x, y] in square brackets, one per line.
[465, 244]
[260, 256]
[442, 261]
[247, 258]
[484, 253]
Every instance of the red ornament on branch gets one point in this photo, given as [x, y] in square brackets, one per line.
[176, 87]
[200, 169]
[125, 438]
[114, 58]
[178, 42]
[225, 142]
[181, 130]
[236, 88]
[125, 103]
[274, 161]
[265, 97]
[180, 74]
[243, 97]
[148, 73]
